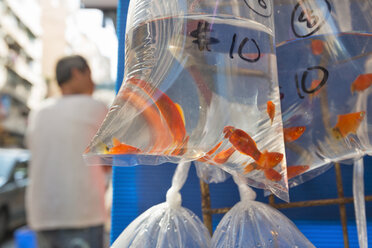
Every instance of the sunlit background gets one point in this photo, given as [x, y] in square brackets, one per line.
[33, 35]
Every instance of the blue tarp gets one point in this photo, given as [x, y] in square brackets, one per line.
[135, 189]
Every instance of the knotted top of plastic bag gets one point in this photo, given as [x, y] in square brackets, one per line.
[167, 224]
[253, 224]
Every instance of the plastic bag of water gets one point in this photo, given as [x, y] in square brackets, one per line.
[325, 72]
[200, 84]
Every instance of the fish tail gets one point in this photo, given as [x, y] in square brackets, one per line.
[250, 167]
[295, 170]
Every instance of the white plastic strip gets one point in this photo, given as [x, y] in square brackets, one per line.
[359, 202]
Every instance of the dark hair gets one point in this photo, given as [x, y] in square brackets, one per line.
[66, 64]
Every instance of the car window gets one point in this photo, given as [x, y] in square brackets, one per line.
[6, 165]
[20, 170]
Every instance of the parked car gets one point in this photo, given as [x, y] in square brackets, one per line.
[13, 182]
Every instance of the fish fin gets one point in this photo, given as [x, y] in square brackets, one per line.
[180, 110]
[352, 89]
[272, 175]
[214, 149]
[295, 170]
[250, 167]
[181, 148]
[207, 156]
[115, 142]
[336, 133]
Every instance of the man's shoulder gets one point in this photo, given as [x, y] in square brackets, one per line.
[45, 104]
[90, 101]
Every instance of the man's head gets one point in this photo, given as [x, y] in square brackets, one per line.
[74, 76]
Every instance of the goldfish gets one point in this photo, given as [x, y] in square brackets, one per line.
[293, 133]
[271, 110]
[347, 123]
[295, 170]
[249, 167]
[272, 175]
[242, 142]
[161, 138]
[172, 113]
[317, 47]
[314, 84]
[121, 148]
[269, 173]
[361, 83]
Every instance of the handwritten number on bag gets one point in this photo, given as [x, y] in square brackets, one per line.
[260, 7]
[243, 43]
[203, 36]
[262, 3]
[303, 81]
[308, 16]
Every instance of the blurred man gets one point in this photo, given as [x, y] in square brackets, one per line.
[65, 197]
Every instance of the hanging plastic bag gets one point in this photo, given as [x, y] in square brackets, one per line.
[324, 53]
[210, 173]
[200, 84]
[166, 224]
[253, 224]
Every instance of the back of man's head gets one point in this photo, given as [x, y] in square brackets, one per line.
[65, 66]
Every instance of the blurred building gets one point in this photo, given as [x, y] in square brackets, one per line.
[21, 83]
[70, 28]
[33, 35]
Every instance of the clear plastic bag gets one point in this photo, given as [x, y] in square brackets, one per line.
[200, 84]
[211, 173]
[162, 226]
[166, 224]
[324, 53]
[324, 50]
[253, 224]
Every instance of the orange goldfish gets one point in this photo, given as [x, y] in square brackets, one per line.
[170, 111]
[269, 160]
[361, 83]
[347, 123]
[265, 161]
[293, 133]
[317, 47]
[271, 110]
[121, 148]
[272, 175]
[161, 136]
[295, 170]
[314, 85]
[242, 142]
[249, 167]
